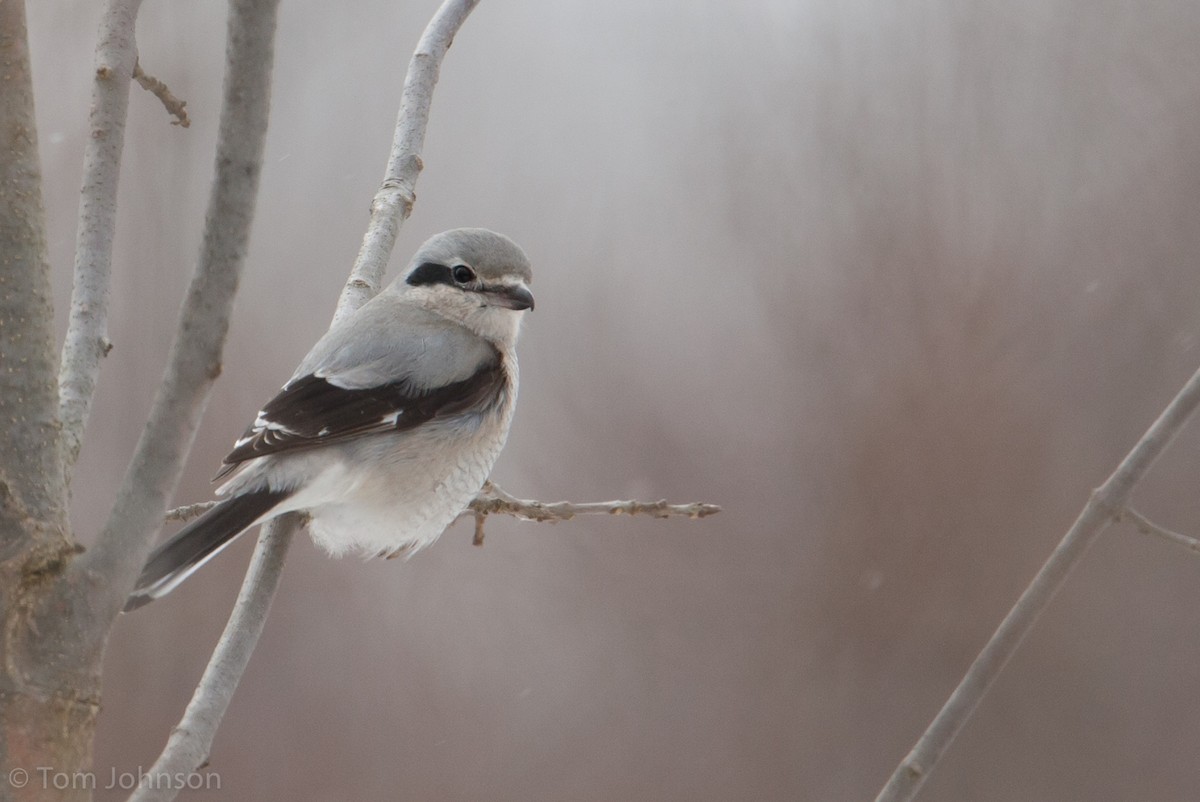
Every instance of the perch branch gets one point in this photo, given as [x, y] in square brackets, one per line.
[175, 107]
[188, 747]
[387, 215]
[1148, 527]
[87, 341]
[493, 500]
[1105, 505]
[195, 359]
[394, 201]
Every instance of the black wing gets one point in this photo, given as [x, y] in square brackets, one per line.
[310, 411]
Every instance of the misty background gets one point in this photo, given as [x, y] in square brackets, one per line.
[896, 284]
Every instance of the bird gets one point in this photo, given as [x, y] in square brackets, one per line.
[389, 426]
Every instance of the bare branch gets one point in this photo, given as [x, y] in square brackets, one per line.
[1105, 505]
[175, 107]
[494, 500]
[1148, 527]
[195, 359]
[87, 330]
[394, 201]
[388, 212]
[190, 741]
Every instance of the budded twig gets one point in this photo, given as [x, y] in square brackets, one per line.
[493, 500]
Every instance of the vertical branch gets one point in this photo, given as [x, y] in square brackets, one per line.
[187, 748]
[394, 201]
[392, 205]
[32, 494]
[1105, 505]
[87, 331]
[195, 359]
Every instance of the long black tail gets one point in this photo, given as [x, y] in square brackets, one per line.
[199, 541]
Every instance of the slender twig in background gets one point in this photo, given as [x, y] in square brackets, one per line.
[195, 359]
[175, 107]
[225, 668]
[1148, 527]
[187, 748]
[1106, 504]
[87, 328]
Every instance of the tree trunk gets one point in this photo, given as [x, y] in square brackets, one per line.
[48, 705]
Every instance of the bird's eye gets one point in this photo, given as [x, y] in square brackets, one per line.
[463, 274]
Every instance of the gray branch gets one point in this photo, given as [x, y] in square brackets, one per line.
[188, 747]
[87, 329]
[195, 359]
[394, 201]
[1105, 505]
[32, 492]
[388, 213]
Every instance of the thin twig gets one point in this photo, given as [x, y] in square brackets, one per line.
[1104, 506]
[189, 511]
[195, 359]
[188, 747]
[87, 341]
[1148, 527]
[493, 500]
[175, 107]
[394, 201]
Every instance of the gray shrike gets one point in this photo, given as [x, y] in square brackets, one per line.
[390, 425]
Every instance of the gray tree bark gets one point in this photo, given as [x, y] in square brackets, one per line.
[48, 705]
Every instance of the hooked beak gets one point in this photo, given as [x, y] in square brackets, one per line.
[514, 296]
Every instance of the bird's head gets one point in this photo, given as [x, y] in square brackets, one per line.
[475, 277]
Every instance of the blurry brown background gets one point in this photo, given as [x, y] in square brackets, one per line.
[895, 283]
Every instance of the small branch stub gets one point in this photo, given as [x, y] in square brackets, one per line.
[1148, 527]
[189, 511]
[174, 106]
